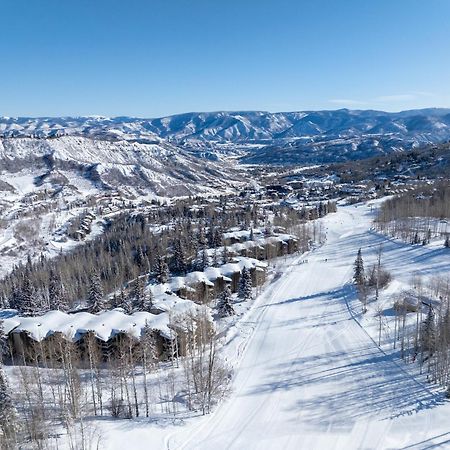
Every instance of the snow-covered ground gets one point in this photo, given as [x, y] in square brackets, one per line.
[308, 371]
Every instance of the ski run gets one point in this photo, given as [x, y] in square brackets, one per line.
[308, 371]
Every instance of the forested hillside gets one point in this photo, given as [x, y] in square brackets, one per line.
[419, 215]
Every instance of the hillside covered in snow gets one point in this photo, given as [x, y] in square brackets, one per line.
[259, 136]
[133, 168]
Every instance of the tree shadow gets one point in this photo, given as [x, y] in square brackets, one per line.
[429, 443]
[344, 387]
[341, 386]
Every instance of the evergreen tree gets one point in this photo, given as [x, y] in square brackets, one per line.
[360, 279]
[127, 301]
[210, 235]
[122, 299]
[201, 236]
[225, 306]
[143, 300]
[205, 261]
[245, 285]
[138, 293]
[14, 299]
[428, 333]
[179, 263]
[95, 295]
[139, 259]
[214, 261]
[217, 239]
[28, 301]
[114, 301]
[56, 297]
[225, 255]
[162, 270]
[147, 303]
[358, 275]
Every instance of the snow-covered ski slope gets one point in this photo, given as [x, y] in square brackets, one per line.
[310, 376]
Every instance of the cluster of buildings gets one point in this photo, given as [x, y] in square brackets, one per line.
[180, 296]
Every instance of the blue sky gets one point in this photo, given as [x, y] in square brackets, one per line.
[151, 58]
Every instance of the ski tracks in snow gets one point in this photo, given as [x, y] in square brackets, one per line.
[307, 374]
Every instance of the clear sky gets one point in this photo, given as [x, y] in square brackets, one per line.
[150, 58]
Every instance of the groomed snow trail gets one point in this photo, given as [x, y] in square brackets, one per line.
[310, 376]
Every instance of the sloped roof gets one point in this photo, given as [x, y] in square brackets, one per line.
[104, 325]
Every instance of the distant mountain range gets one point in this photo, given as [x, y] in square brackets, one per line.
[257, 136]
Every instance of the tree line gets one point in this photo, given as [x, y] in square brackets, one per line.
[145, 247]
[415, 216]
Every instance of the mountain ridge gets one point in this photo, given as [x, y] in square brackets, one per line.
[129, 167]
[257, 136]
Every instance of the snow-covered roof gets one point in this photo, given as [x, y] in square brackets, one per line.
[208, 276]
[107, 324]
[213, 273]
[73, 326]
[280, 238]
[173, 304]
[198, 277]
[230, 268]
[8, 318]
[246, 245]
[159, 289]
[249, 263]
[177, 283]
[241, 234]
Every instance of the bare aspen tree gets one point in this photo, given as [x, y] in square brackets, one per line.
[8, 415]
[124, 368]
[377, 286]
[379, 314]
[205, 374]
[94, 355]
[149, 357]
[132, 368]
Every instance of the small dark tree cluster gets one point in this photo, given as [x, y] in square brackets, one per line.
[95, 299]
[245, 285]
[225, 303]
[359, 278]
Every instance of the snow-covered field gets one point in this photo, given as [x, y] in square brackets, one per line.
[308, 371]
